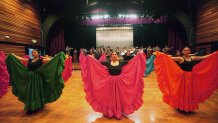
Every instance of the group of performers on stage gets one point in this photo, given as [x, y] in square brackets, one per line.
[113, 86]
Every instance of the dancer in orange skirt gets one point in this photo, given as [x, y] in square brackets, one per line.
[186, 85]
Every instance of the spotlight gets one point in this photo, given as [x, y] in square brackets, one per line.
[121, 15]
[34, 41]
[131, 16]
[7, 37]
[106, 16]
[96, 16]
[100, 16]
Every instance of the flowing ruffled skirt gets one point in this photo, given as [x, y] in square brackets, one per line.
[185, 90]
[68, 68]
[149, 65]
[102, 58]
[4, 76]
[36, 88]
[113, 95]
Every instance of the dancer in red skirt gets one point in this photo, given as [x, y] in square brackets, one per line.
[186, 85]
[116, 87]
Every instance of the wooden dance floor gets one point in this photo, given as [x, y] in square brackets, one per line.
[73, 108]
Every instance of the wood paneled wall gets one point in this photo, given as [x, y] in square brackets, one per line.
[20, 20]
[207, 22]
[18, 50]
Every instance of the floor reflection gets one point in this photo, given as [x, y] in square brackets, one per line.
[113, 120]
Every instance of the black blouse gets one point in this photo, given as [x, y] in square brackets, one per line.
[114, 70]
[127, 57]
[34, 65]
[187, 65]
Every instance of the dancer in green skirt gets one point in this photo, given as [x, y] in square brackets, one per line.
[38, 84]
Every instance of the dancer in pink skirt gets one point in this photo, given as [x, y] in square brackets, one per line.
[116, 87]
[4, 76]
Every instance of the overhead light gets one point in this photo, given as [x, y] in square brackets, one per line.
[106, 16]
[96, 16]
[34, 41]
[127, 16]
[131, 16]
[121, 15]
[7, 36]
[100, 16]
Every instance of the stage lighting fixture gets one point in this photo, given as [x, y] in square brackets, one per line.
[131, 16]
[100, 16]
[34, 41]
[106, 16]
[96, 16]
[121, 15]
[7, 37]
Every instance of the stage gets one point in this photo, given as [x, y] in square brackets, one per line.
[72, 107]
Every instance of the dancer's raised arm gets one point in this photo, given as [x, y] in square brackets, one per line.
[20, 58]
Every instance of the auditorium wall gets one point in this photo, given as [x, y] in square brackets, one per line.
[207, 25]
[19, 25]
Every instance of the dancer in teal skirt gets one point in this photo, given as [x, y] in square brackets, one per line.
[149, 65]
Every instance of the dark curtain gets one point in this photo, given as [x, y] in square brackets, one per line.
[80, 36]
[176, 39]
[150, 35]
[55, 42]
